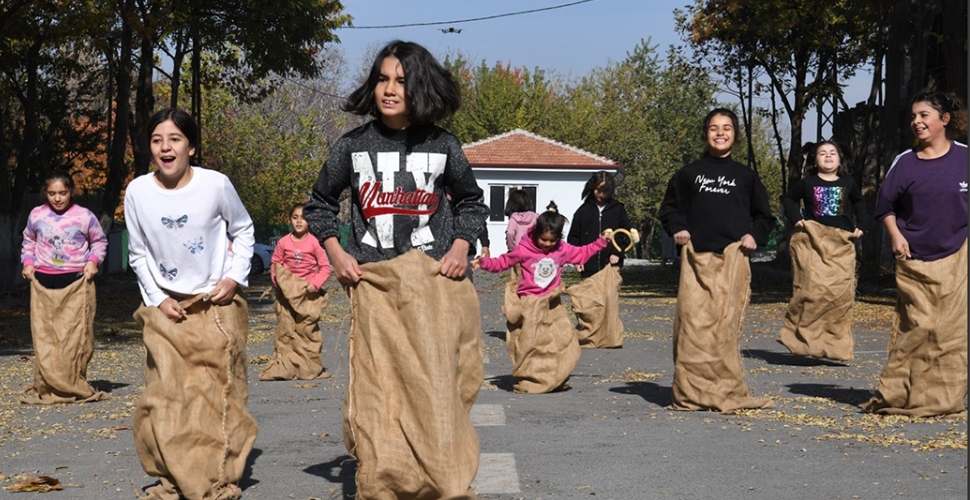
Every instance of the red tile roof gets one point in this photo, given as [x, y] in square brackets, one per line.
[519, 148]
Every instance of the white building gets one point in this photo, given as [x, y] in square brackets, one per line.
[546, 169]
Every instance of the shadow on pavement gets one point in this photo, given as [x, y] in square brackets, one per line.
[247, 480]
[496, 334]
[106, 385]
[780, 358]
[849, 396]
[340, 470]
[503, 382]
[653, 393]
[18, 351]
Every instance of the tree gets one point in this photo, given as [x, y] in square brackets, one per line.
[643, 112]
[52, 81]
[50, 92]
[804, 48]
[273, 150]
[923, 46]
[497, 99]
[254, 48]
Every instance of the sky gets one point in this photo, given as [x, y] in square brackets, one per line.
[570, 40]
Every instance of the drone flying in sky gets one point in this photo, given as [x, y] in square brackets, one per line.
[451, 30]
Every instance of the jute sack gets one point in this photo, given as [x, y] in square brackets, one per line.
[540, 339]
[818, 321]
[596, 304]
[711, 299]
[191, 426]
[62, 329]
[415, 370]
[926, 370]
[297, 340]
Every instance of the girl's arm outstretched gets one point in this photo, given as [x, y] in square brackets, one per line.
[497, 264]
[579, 255]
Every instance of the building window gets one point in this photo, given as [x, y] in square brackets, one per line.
[498, 193]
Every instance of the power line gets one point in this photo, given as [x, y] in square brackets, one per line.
[311, 89]
[465, 20]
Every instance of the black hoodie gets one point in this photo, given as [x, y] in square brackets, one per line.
[587, 224]
[717, 200]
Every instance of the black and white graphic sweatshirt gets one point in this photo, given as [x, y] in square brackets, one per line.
[719, 201]
[398, 180]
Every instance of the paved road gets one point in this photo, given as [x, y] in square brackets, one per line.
[609, 437]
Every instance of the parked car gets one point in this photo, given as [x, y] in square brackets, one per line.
[262, 257]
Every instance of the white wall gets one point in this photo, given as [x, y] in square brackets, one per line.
[564, 186]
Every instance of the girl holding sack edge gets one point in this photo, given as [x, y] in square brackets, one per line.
[818, 321]
[717, 209]
[540, 338]
[404, 267]
[63, 245]
[923, 205]
[596, 299]
[299, 269]
[191, 425]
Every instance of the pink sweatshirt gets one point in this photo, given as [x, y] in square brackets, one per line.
[305, 259]
[519, 225]
[541, 271]
[62, 243]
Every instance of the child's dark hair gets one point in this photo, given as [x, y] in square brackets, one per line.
[60, 175]
[811, 167]
[296, 206]
[181, 118]
[431, 90]
[719, 112]
[552, 207]
[518, 201]
[548, 222]
[603, 178]
[945, 103]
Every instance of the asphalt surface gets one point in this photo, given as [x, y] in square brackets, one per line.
[609, 437]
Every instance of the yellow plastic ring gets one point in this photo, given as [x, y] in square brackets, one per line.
[617, 245]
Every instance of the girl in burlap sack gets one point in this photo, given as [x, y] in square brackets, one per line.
[818, 321]
[298, 271]
[415, 340]
[596, 300]
[63, 245]
[541, 339]
[923, 205]
[191, 426]
[717, 209]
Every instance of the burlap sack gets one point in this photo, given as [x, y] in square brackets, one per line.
[191, 426]
[297, 340]
[926, 370]
[596, 304]
[711, 299]
[818, 321]
[62, 329]
[415, 371]
[540, 339]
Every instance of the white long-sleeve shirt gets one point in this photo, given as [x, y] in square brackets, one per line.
[178, 239]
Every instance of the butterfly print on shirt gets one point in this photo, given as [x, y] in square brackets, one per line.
[175, 224]
[194, 246]
[168, 274]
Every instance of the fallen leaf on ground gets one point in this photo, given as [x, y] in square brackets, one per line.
[41, 484]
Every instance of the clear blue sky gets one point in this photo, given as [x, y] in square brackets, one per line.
[570, 41]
